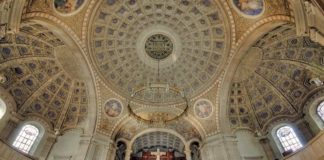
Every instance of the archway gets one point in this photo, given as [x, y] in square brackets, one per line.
[163, 143]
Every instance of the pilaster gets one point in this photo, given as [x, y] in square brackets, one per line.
[220, 147]
[83, 147]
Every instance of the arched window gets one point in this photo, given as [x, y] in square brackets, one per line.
[288, 138]
[320, 110]
[2, 108]
[26, 138]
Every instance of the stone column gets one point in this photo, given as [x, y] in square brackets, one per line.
[98, 148]
[50, 141]
[249, 146]
[265, 142]
[10, 16]
[128, 153]
[309, 20]
[188, 153]
[83, 147]
[220, 147]
[10, 127]
[111, 153]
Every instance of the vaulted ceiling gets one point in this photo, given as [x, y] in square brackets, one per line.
[46, 80]
[272, 81]
[195, 28]
[37, 81]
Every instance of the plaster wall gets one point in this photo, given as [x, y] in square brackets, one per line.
[313, 150]
[66, 146]
[249, 146]
[220, 147]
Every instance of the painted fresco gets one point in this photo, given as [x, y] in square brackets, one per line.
[67, 6]
[203, 108]
[249, 7]
[113, 108]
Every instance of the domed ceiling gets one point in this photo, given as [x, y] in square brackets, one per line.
[273, 79]
[37, 81]
[179, 43]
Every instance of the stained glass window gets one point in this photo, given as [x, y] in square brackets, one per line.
[288, 138]
[320, 110]
[26, 138]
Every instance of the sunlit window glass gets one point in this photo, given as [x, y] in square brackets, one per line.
[2, 108]
[288, 138]
[320, 110]
[26, 138]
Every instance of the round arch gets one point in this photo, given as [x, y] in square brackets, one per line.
[37, 145]
[310, 111]
[238, 51]
[150, 130]
[9, 104]
[275, 138]
[82, 69]
[229, 26]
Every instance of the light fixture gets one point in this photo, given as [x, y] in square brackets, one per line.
[160, 91]
[166, 89]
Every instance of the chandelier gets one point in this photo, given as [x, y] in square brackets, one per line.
[158, 89]
[158, 47]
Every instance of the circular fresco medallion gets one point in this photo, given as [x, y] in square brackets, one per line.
[67, 7]
[113, 108]
[158, 46]
[203, 108]
[249, 8]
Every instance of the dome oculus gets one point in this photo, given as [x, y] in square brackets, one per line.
[158, 46]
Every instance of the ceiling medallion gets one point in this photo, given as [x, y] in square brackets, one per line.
[161, 119]
[158, 46]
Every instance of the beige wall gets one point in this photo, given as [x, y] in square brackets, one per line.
[312, 151]
[7, 153]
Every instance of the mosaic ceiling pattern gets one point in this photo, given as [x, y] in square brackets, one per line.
[198, 24]
[163, 140]
[279, 83]
[37, 81]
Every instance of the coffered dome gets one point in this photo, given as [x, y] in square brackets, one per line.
[179, 43]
